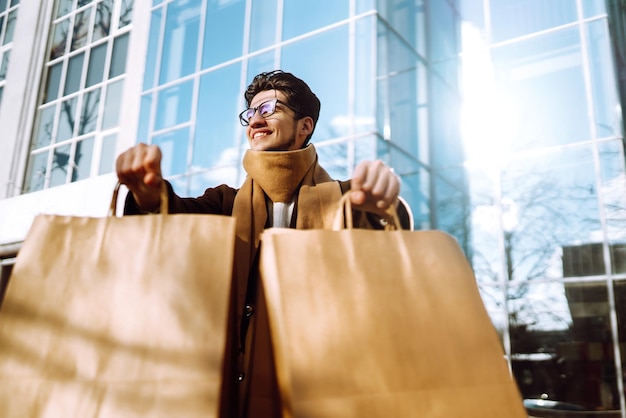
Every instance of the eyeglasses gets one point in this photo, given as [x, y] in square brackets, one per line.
[265, 109]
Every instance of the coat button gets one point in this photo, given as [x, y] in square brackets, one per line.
[249, 311]
[241, 377]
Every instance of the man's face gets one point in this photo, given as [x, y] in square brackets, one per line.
[278, 132]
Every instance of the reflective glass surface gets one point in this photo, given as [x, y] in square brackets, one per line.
[36, 172]
[510, 19]
[174, 146]
[150, 74]
[613, 183]
[67, 120]
[525, 71]
[102, 20]
[302, 16]
[89, 113]
[118, 57]
[224, 21]
[329, 82]
[217, 128]
[112, 104]
[53, 82]
[43, 127]
[74, 72]
[60, 165]
[605, 95]
[365, 76]
[107, 154]
[593, 8]
[174, 105]
[82, 159]
[97, 59]
[180, 42]
[263, 24]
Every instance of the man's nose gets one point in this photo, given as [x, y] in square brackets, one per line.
[257, 119]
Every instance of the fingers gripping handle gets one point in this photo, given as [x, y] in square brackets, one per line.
[164, 199]
[343, 215]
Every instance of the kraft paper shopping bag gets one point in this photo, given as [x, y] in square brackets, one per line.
[117, 317]
[381, 324]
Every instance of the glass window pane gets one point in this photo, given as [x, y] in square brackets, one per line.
[302, 16]
[67, 120]
[15, 2]
[107, 154]
[112, 105]
[525, 71]
[3, 5]
[60, 165]
[83, 155]
[89, 113]
[329, 82]
[174, 105]
[63, 7]
[217, 128]
[180, 45]
[260, 63]
[510, 19]
[102, 21]
[593, 8]
[613, 180]
[118, 58]
[74, 74]
[153, 47]
[53, 82]
[144, 118]
[263, 24]
[4, 66]
[224, 21]
[43, 129]
[174, 146]
[126, 13]
[605, 95]
[548, 201]
[8, 36]
[97, 59]
[81, 29]
[36, 172]
[59, 40]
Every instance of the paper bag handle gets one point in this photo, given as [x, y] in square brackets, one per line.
[164, 199]
[343, 216]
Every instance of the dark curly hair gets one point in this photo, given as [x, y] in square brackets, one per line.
[298, 94]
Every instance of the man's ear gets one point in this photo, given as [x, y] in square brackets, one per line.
[306, 126]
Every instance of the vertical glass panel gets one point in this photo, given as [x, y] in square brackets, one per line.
[3, 5]
[334, 158]
[4, 66]
[562, 349]
[1, 91]
[107, 154]
[365, 76]
[263, 24]
[174, 105]
[118, 58]
[97, 61]
[548, 201]
[112, 105]
[180, 45]
[60, 165]
[260, 63]
[510, 19]
[215, 141]
[83, 154]
[89, 112]
[15, 2]
[36, 172]
[43, 129]
[593, 8]
[144, 118]
[525, 71]
[53, 82]
[81, 3]
[174, 146]
[81, 29]
[67, 120]
[407, 18]
[443, 39]
[74, 74]
[330, 82]
[153, 47]
[302, 16]
[63, 7]
[8, 36]
[605, 96]
[59, 40]
[102, 21]
[126, 13]
[365, 6]
[613, 181]
[223, 31]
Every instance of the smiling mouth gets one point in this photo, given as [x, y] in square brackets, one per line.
[259, 135]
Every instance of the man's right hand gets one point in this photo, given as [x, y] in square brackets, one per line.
[139, 168]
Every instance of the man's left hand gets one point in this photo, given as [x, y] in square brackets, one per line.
[374, 187]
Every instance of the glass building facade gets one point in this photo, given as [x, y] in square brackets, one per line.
[502, 117]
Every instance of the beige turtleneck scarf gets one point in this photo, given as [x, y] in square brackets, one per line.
[282, 176]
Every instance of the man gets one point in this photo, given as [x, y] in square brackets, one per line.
[285, 187]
